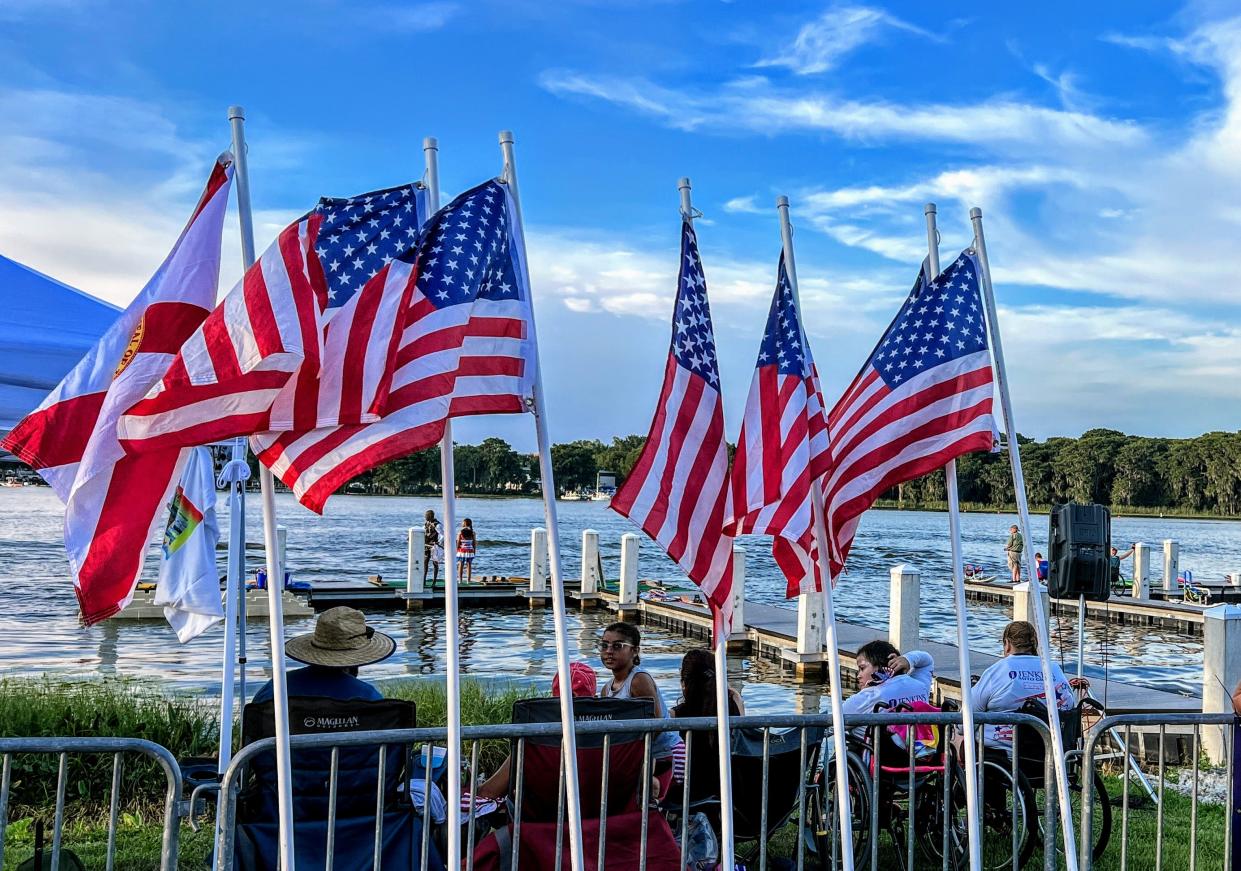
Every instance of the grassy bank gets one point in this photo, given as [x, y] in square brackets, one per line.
[1011, 508]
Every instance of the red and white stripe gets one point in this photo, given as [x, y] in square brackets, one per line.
[883, 437]
[229, 372]
[113, 500]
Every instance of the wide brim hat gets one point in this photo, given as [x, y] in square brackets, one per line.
[341, 640]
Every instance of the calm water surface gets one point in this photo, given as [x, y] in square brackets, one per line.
[364, 535]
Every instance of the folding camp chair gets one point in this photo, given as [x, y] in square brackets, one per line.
[356, 807]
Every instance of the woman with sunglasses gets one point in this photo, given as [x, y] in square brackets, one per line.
[619, 650]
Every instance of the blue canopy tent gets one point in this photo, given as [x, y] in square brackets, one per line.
[45, 328]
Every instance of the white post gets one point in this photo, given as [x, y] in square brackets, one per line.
[282, 550]
[590, 562]
[569, 745]
[414, 582]
[1171, 560]
[234, 476]
[1141, 571]
[1027, 610]
[275, 588]
[538, 560]
[723, 733]
[738, 633]
[1221, 661]
[811, 635]
[448, 486]
[1023, 513]
[958, 596]
[629, 570]
[904, 606]
[829, 612]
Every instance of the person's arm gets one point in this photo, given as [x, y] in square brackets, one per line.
[982, 692]
[643, 686]
[736, 697]
[496, 786]
[921, 666]
[1127, 553]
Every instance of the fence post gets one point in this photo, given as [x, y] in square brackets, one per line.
[1171, 560]
[627, 604]
[414, 582]
[738, 638]
[1141, 570]
[904, 603]
[538, 565]
[1221, 670]
[590, 562]
[1023, 607]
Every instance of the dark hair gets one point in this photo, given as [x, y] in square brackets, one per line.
[1022, 636]
[466, 522]
[697, 684]
[467, 529]
[630, 633]
[877, 652]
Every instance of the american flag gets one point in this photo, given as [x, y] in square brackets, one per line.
[923, 398]
[677, 492]
[463, 344]
[783, 446]
[226, 379]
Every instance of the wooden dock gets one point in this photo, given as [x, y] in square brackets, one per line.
[1175, 616]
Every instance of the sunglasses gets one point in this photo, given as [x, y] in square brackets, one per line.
[614, 646]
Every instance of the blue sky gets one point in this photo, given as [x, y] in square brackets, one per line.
[1101, 140]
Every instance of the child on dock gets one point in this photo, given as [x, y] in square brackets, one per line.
[466, 548]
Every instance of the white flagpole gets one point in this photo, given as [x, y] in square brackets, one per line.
[234, 475]
[845, 815]
[430, 151]
[723, 733]
[569, 744]
[275, 578]
[958, 596]
[1023, 513]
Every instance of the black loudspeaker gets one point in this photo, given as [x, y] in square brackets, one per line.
[1079, 546]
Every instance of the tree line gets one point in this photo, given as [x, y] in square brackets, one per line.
[1199, 475]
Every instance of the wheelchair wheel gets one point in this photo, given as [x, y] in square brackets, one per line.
[1007, 826]
[1101, 815]
[823, 816]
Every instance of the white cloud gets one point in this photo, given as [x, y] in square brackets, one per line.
[820, 45]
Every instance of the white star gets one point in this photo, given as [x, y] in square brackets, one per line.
[372, 248]
[357, 263]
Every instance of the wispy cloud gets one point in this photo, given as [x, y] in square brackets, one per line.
[820, 45]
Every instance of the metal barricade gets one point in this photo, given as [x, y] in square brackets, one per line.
[923, 804]
[1137, 821]
[64, 748]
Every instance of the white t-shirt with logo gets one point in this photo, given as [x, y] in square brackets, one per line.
[1008, 684]
[899, 689]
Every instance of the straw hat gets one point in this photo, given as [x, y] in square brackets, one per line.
[341, 640]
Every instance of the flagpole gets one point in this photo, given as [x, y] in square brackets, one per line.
[569, 744]
[958, 596]
[845, 815]
[275, 578]
[430, 152]
[723, 732]
[1023, 514]
[234, 475]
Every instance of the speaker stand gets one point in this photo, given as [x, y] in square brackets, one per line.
[1081, 636]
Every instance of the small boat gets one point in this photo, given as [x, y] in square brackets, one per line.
[601, 496]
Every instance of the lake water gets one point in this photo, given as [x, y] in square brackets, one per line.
[365, 535]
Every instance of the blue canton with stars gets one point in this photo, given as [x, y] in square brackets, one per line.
[464, 252]
[693, 342]
[363, 234]
[938, 323]
[782, 338]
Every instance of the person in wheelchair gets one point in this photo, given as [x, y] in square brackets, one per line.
[885, 677]
[1015, 679]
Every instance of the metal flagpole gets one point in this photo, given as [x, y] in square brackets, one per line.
[233, 475]
[1023, 514]
[430, 151]
[845, 816]
[569, 744]
[723, 733]
[958, 596]
[275, 578]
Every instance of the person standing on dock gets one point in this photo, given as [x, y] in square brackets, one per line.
[433, 547]
[1014, 548]
[466, 547]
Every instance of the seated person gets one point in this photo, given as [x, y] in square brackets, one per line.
[1013, 680]
[340, 644]
[1041, 565]
[620, 650]
[582, 682]
[885, 676]
[698, 700]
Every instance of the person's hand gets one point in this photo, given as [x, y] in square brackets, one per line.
[898, 665]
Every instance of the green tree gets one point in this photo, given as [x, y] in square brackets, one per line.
[500, 465]
[574, 466]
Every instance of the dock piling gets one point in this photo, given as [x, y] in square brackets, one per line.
[590, 562]
[1023, 606]
[1141, 570]
[627, 604]
[1171, 561]
[414, 583]
[282, 546]
[538, 567]
[904, 604]
[1221, 670]
[738, 640]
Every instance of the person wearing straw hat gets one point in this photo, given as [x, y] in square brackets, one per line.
[333, 653]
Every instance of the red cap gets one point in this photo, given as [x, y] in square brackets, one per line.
[581, 678]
